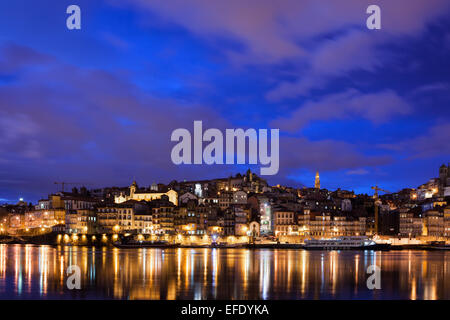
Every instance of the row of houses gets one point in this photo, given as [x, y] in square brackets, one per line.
[239, 205]
[80, 215]
[432, 223]
[289, 223]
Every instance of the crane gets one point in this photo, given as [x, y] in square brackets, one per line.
[377, 204]
[67, 183]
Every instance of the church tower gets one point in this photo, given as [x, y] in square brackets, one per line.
[249, 175]
[317, 181]
[444, 175]
[133, 189]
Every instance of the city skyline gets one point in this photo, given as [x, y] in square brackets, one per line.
[64, 186]
[224, 158]
[97, 105]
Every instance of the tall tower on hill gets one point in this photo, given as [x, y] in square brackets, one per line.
[317, 181]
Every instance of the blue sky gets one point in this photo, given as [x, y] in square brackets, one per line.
[98, 105]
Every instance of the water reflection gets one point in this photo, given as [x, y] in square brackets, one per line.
[36, 272]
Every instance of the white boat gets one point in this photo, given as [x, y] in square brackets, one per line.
[355, 242]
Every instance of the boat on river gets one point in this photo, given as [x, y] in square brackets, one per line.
[438, 245]
[344, 243]
[134, 244]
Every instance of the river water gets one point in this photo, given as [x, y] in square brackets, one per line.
[40, 272]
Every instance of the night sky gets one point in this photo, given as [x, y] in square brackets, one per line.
[98, 105]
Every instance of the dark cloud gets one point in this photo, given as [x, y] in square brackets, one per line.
[100, 107]
[377, 107]
[60, 122]
[434, 142]
[271, 31]
[326, 155]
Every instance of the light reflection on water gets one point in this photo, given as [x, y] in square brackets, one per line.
[35, 272]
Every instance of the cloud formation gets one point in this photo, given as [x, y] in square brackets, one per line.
[99, 105]
[271, 32]
[376, 107]
[429, 144]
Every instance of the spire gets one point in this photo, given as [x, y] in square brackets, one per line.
[317, 181]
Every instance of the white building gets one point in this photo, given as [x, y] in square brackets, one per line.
[146, 196]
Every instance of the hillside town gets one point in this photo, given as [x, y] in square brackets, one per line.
[239, 208]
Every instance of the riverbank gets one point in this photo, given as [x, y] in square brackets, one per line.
[102, 240]
[13, 241]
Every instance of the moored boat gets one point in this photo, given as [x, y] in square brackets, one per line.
[228, 245]
[344, 243]
[438, 245]
[144, 244]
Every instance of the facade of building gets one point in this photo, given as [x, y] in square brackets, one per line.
[262, 204]
[236, 221]
[447, 222]
[184, 198]
[129, 215]
[411, 226]
[108, 219]
[162, 211]
[143, 222]
[136, 194]
[239, 197]
[88, 221]
[241, 221]
[225, 199]
[433, 224]
[284, 223]
[327, 226]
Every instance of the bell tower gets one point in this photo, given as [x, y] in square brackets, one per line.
[133, 189]
[317, 181]
[443, 172]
